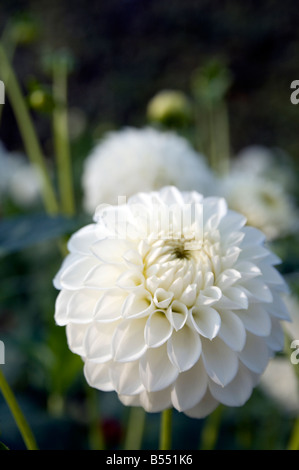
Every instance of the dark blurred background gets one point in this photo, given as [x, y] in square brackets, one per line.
[126, 51]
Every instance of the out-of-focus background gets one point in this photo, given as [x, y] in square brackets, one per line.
[119, 55]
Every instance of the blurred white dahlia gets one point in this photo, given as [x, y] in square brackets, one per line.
[132, 160]
[171, 301]
[20, 181]
[264, 202]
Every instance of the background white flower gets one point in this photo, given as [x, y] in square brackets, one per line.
[279, 380]
[264, 202]
[19, 180]
[271, 163]
[133, 160]
[181, 314]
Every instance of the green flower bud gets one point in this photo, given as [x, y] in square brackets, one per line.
[171, 108]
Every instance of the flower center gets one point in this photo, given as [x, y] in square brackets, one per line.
[180, 262]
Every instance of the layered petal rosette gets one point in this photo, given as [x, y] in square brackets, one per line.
[171, 301]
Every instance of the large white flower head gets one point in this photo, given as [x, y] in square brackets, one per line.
[171, 301]
[264, 202]
[132, 160]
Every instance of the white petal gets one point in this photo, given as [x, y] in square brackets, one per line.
[133, 259]
[253, 252]
[188, 297]
[171, 195]
[97, 341]
[190, 387]
[125, 378]
[157, 329]
[156, 370]
[81, 241]
[75, 337]
[220, 361]
[232, 222]
[177, 287]
[73, 277]
[109, 307]
[272, 276]
[128, 343]
[257, 290]
[214, 209]
[103, 276]
[237, 392]
[206, 406]
[98, 376]
[184, 348]
[232, 330]
[256, 320]
[130, 400]
[253, 236]
[61, 305]
[177, 314]
[276, 339]
[131, 280]
[138, 305]
[248, 270]
[111, 250]
[227, 278]
[233, 298]
[278, 308]
[81, 306]
[162, 298]
[209, 296]
[232, 254]
[68, 261]
[155, 402]
[206, 321]
[255, 354]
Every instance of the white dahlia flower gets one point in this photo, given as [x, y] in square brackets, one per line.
[20, 181]
[132, 160]
[279, 381]
[264, 202]
[171, 301]
[271, 163]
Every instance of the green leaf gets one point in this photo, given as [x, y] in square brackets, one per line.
[3, 446]
[20, 232]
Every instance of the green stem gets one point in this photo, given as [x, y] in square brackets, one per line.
[213, 157]
[61, 138]
[27, 131]
[10, 47]
[135, 431]
[223, 138]
[165, 430]
[96, 437]
[294, 440]
[211, 429]
[20, 419]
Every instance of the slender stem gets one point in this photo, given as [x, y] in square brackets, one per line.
[10, 46]
[16, 411]
[96, 437]
[223, 137]
[61, 138]
[211, 429]
[165, 430]
[213, 157]
[294, 439]
[27, 131]
[135, 430]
